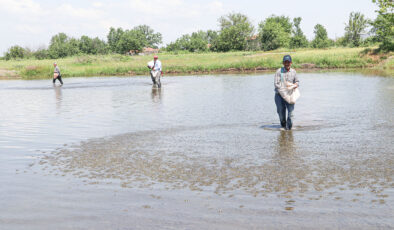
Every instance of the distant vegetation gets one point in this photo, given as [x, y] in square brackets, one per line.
[199, 63]
[236, 33]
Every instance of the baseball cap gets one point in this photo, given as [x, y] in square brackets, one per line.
[155, 57]
[287, 58]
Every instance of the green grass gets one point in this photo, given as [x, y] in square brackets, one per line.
[185, 63]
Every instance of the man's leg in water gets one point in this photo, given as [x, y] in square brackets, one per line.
[158, 75]
[281, 109]
[152, 77]
[60, 79]
[290, 115]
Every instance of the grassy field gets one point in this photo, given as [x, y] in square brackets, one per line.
[192, 63]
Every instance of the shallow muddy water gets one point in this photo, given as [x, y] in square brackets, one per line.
[203, 152]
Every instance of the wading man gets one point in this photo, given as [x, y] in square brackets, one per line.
[155, 71]
[282, 75]
[56, 74]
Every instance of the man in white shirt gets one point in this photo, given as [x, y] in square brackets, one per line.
[155, 71]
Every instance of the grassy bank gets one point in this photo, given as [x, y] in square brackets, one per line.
[109, 65]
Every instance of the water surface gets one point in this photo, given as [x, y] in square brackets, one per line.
[117, 153]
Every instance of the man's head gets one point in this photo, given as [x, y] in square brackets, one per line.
[54, 64]
[155, 57]
[287, 61]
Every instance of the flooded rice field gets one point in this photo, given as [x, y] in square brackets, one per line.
[203, 152]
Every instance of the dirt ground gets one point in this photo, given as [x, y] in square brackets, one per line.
[8, 74]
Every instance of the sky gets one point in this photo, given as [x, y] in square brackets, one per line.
[31, 23]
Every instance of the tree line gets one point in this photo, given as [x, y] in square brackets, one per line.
[236, 32]
[118, 41]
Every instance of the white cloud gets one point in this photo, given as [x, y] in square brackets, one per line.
[216, 6]
[172, 18]
[21, 6]
[74, 12]
[98, 4]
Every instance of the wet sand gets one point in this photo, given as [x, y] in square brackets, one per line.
[202, 152]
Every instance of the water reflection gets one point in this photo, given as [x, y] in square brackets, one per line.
[156, 94]
[289, 167]
[208, 138]
[286, 143]
[58, 96]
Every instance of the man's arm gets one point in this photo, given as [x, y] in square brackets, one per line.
[277, 80]
[296, 80]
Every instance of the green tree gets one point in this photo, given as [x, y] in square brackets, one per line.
[153, 39]
[99, 46]
[275, 32]
[212, 39]
[212, 36]
[62, 46]
[235, 28]
[196, 42]
[72, 47]
[58, 46]
[383, 25]
[131, 40]
[85, 44]
[298, 40]
[113, 38]
[14, 52]
[89, 45]
[181, 43]
[354, 28]
[321, 39]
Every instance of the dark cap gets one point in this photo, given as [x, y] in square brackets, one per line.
[287, 58]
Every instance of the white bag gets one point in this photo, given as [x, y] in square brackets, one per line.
[288, 91]
[151, 64]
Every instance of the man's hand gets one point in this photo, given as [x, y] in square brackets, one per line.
[296, 85]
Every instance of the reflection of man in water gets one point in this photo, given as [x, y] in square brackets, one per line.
[155, 72]
[156, 94]
[58, 93]
[288, 74]
[285, 143]
[56, 74]
[290, 168]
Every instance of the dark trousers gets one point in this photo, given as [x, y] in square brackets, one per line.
[281, 106]
[59, 78]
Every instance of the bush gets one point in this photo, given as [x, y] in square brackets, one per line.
[41, 54]
[15, 52]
